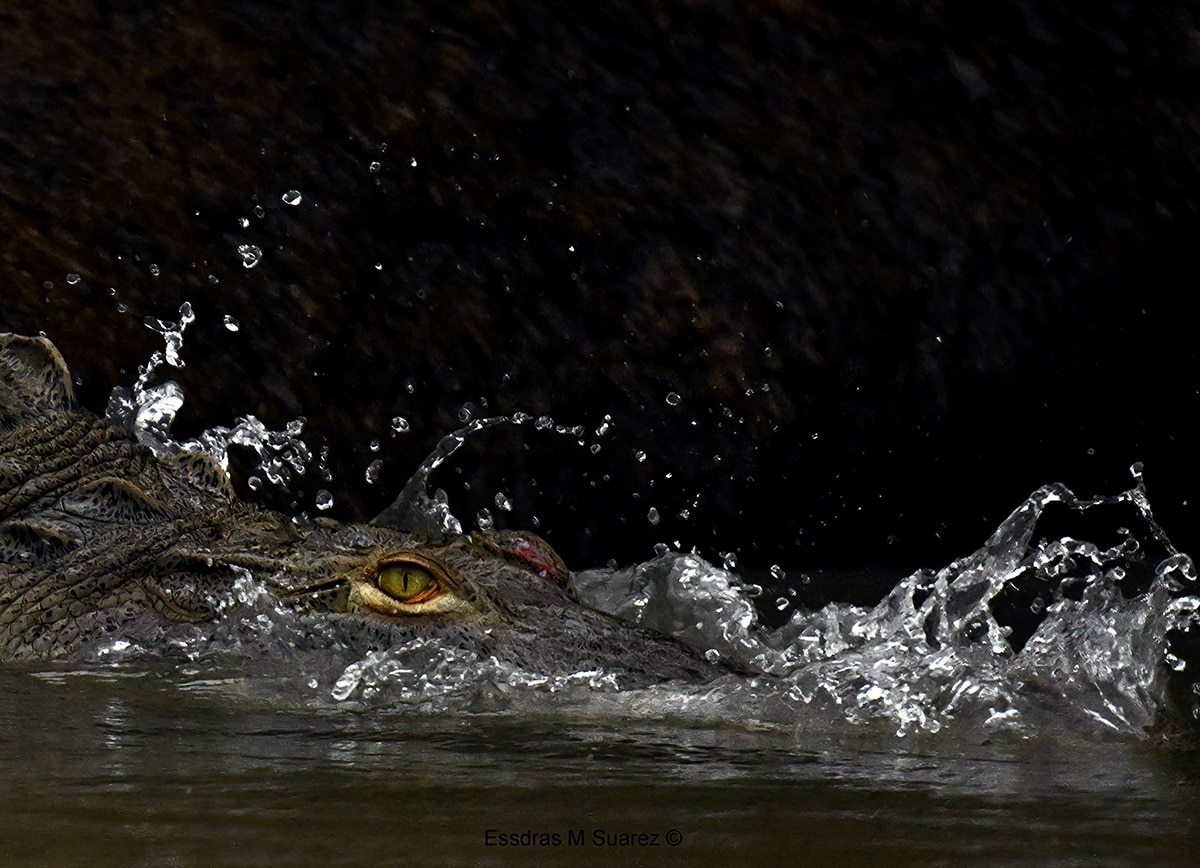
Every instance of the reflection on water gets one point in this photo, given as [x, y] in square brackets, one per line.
[112, 769]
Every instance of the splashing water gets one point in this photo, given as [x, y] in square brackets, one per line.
[936, 650]
[148, 408]
[415, 510]
[1019, 633]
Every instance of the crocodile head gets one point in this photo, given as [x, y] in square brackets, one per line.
[101, 537]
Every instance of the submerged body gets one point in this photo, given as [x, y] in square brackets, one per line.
[101, 538]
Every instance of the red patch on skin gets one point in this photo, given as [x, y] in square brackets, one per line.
[533, 554]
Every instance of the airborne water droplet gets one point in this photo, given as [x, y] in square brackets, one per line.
[291, 197]
[400, 424]
[502, 501]
[374, 469]
[231, 323]
[324, 499]
[777, 573]
[483, 518]
[374, 446]
[673, 399]
[375, 166]
[72, 278]
[250, 253]
[652, 516]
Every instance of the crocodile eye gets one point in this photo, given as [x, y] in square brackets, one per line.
[407, 583]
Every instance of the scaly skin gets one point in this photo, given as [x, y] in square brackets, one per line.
[98, 536]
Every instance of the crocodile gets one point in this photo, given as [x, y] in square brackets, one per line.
[102, 537]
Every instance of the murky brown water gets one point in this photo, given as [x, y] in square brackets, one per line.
[127, 769]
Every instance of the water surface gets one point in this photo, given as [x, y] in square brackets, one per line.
[118, 767]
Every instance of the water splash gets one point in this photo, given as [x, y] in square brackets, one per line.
[148, 408]
[1021, 631]
[415, 510]
[943, 647]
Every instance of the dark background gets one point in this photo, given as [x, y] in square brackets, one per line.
[902, 262]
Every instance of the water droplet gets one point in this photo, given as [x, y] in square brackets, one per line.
[777, 573]
[72, 278]
[154, 269]
[483, 518]
[122, 308]
[595, 448]
[673, 399]
[413, 162]
[291, 197]
[653, 516]
[502, 502]
[244, 222]
[464, 413]
[781, 603]
[374, 469]
[260, 211]
[684, 514]
[661, 549]
[251, 255]
[324, 500]
[375, 166]
[374, 447]
[729, 559]
[231, 323]
[254, 482]
[400, 424]
[543, 423]
[712, 655]
[640, 456]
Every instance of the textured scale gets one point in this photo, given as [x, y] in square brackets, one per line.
[100, 537]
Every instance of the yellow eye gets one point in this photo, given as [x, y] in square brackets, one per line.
[408, 582]
[405, 582]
